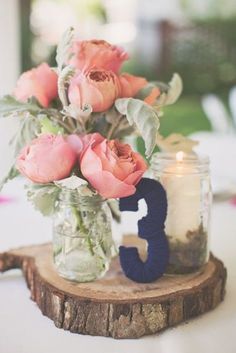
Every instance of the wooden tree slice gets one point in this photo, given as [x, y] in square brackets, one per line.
[115, 306]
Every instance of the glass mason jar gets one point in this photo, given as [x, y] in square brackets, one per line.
[185, 177]
[82, 237]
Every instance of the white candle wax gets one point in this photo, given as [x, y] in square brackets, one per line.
[183, 195]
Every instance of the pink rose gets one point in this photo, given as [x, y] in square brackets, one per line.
[40, 82]
[111, 167]
[97, 53]
[46, 159]
[96, 87]
[130, 85]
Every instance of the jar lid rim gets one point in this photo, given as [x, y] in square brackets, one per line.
[187, 158]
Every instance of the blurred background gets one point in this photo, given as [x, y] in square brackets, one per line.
[195, 38]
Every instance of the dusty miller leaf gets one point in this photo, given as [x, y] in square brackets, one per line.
[63, 79]
[43, 197]
[114, 208]
[145, 91]
[29, 128]
[169, 92]
[10, 106]
[63, 49]
[163, 86]
[175, 88]
[71, 183]
[75, 183]
[144, 117]
[12, 173]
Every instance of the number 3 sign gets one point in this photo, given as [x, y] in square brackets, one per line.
[151, 228]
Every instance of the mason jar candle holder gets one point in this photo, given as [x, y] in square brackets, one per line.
[186, 179]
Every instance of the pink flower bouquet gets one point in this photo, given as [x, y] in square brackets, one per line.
[73, 123]
[75, 116]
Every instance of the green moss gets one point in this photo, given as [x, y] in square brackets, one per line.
[189, 256]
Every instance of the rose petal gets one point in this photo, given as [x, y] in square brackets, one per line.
[152, 96]
[140, 162]
[123, 169]
[76, 143]
[105, 155]
[109, 186]
[90, 163]
[97, 53]
[134, 178]
[48, 80]
[130, 84]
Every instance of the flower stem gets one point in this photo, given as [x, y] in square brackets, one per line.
[113, 126]
[81, 227]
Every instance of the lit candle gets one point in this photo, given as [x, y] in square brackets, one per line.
[183, 188]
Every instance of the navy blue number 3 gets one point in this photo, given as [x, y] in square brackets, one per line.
[151, 228]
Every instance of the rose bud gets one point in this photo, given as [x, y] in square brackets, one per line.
[46, 159]
[96, 87]
[40, 82]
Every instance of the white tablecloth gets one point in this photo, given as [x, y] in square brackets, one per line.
[23, 329]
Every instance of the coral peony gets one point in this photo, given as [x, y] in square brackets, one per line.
[111, 167]
[46, 159]
[97, 53]
[40, 82]
[96, 87]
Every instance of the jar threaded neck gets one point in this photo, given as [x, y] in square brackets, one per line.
[190, 164]
[72, 197]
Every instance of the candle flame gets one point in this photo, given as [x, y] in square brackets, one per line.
[180, 156]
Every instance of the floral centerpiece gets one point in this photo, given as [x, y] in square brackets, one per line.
[73, 120]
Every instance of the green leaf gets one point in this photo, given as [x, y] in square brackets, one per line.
[9, 105]
[43, 197]
[47, 126]
[12, 173]
[63, 49]
[144, 117]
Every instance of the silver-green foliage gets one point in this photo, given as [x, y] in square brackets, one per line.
[29, 126]
[63, 48]
[143, 117]
[43, 197]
